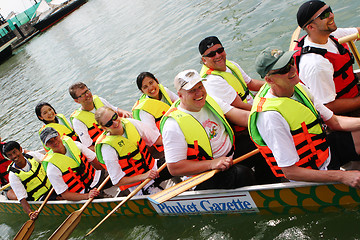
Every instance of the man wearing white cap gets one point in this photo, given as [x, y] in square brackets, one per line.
[286, 124]
[195, 129]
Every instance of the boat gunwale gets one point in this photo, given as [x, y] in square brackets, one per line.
[273, 186]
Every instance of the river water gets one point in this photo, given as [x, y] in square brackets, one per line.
[106, 44]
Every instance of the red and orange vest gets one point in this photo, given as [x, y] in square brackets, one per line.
[4, 173]
[305, 125]
[344, 77]
[133, 154]
[77, 172]
[88, 118]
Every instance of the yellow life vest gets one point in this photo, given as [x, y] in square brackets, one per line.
[199, 147]
[77, 172]
[62, 129]
[305, 126]
[234, 79]
[133, 154]
[155, 107]
[35, 181]
[88, 118]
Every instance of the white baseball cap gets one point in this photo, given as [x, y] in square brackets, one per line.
[187, 79]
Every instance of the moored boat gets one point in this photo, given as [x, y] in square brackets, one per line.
[7, 37]
[279, 198]
[51, 15]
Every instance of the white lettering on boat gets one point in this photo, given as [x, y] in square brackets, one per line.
[226, 203]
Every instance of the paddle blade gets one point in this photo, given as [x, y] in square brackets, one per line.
[181, 187]
[26, 230]
[67, 227]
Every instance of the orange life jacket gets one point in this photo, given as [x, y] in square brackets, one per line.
[77, 172]
[133, 153]
[305, 126]
[344, 78]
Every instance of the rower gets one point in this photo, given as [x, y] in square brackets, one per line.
[83, 119]
[47, 114]
[198, 138]
[27, 176]
[286, 124]
[324, 65]
[72, 168]
[227, 81]
[153, 103]
[124, 148]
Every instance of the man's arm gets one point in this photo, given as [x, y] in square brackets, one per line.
[73, 196]
[25, 206]
[27, 209]
[238, 116]
[342, 123]
[191, 167]
[255, 84]
[344, 105]
[238, 103]
[350, 178]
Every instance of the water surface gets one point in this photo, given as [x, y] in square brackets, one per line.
[106, 44]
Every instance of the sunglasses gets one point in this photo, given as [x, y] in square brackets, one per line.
[325, 14]
[286, 69]
[111, 121]
[213, 53]
[83, 95]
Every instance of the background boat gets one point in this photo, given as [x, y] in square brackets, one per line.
[7, 37]
[49, 14]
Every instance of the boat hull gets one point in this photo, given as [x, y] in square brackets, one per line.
[5, 53]
[5, 42]
[58, 15]
[282, 198]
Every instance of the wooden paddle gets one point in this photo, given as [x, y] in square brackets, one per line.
[181, 187]
[4, 187]
[125, 200]
[70, 223]
[294, 38]
[28, 227]
[349, 39]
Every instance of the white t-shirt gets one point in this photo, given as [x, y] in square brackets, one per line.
[15, 181]
[55, 175]
[316, 72]
[218, 87]
[81, 129]
[275, 131]
[148, 118]
[174, 142]
[110, 155]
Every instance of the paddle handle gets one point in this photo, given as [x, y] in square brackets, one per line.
[45, 200]
[294, 37]
[126, 199]
[91, 199]
[5, 187]
[349, 38]
[355, 52]
[245, 156]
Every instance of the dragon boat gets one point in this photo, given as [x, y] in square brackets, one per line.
[279, 198]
